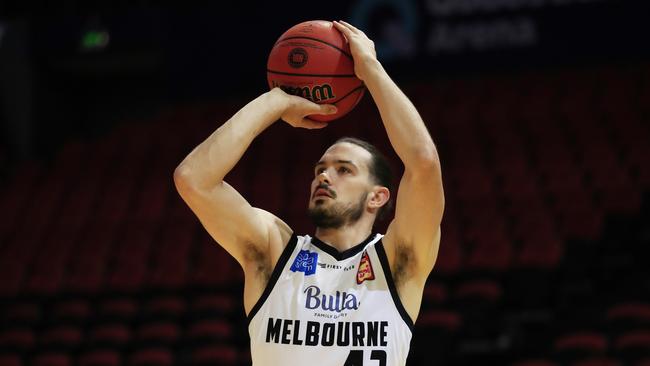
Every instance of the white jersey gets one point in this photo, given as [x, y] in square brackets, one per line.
[322, 307]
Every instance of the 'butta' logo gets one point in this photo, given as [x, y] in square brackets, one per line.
[297, 57]
[337, 302]
[316, 93]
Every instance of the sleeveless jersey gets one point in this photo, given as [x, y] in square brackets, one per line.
[324, 307]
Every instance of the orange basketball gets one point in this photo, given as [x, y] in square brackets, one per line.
[313, 60]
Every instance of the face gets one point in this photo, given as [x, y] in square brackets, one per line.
[341, 186]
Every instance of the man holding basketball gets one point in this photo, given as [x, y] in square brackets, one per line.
[345, 296]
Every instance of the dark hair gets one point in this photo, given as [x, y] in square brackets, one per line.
[379, 170]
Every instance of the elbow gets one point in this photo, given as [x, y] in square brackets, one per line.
[183, 180]
[426, 159]
[190, 182]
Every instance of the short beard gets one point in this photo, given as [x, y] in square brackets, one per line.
[338, 215]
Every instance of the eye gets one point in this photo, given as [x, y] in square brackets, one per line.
[319, 170]
[344, 170]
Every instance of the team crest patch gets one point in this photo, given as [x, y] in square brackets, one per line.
[305, 262]
[365, 271]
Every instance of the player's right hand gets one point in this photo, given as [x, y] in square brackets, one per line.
[296, 110]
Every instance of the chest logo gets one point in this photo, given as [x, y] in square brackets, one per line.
[338, 302]
[365, 271]
[305, 262]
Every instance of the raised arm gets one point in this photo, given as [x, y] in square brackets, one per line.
[244, 231]
[420, 199]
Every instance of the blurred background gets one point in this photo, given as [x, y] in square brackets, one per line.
[540, 110]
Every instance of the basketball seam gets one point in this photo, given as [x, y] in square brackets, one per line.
[349, 93]
[317, 40]
[323, 75]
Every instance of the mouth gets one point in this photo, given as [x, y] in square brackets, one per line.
[321, 192]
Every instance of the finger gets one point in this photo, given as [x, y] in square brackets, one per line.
[349, 26]
[306, 106]
[312, 124]
[342, 28]
[315, 108]
[327, 109]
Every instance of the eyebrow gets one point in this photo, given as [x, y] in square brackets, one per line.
[336, 161]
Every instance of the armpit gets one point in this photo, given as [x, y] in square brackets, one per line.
[404, 264]
[258, 262]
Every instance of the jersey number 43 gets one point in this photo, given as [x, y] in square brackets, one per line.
[355, 358]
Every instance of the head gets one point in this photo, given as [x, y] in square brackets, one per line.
[352, 179]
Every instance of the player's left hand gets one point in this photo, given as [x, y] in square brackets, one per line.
[361, 47]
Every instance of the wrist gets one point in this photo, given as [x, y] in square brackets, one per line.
[277, 100]
[371, 67]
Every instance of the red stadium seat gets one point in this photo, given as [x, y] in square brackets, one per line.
[165, 307]
[435, 293]
[61, 337]
[52, 359]
[633, 345]
[589, 341]
[118, 308]
[10, 360]
[637, 312]
[127, 277]
[75, 311]
[562, 178]
[450, 255]
[448, 321]
[109, 335]
[542, 250]
[14, 197]
[210, 330]
[519, 186]
[159, 333]
[576, 346]
[218, 304]
[624, 200]
[100, 358]
[642, 362]
[215, 354]
[598, 361]
[151, 356]
[46, 280]
[492, 252]
[170, 260]
[482, 290]
[151, 199]
[21, 313]
[19, 339]
[12, 272]
[214, 267]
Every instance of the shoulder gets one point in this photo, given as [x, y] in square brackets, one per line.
[279, 235]
[279, 231]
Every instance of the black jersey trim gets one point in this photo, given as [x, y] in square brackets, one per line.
[275, 275]
[381, 253]
[339, 256]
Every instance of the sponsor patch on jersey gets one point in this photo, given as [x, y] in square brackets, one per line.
[365, 271]
[336, 266]
[305, 262]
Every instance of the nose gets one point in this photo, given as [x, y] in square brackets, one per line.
[323, 177]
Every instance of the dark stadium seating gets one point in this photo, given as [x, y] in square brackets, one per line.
[99, 358]
[544, 237]
[214, 354]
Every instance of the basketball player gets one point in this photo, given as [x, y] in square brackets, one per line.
[345, 296]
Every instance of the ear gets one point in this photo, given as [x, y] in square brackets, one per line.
[379, 196]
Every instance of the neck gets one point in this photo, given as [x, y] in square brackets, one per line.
[345, 237]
